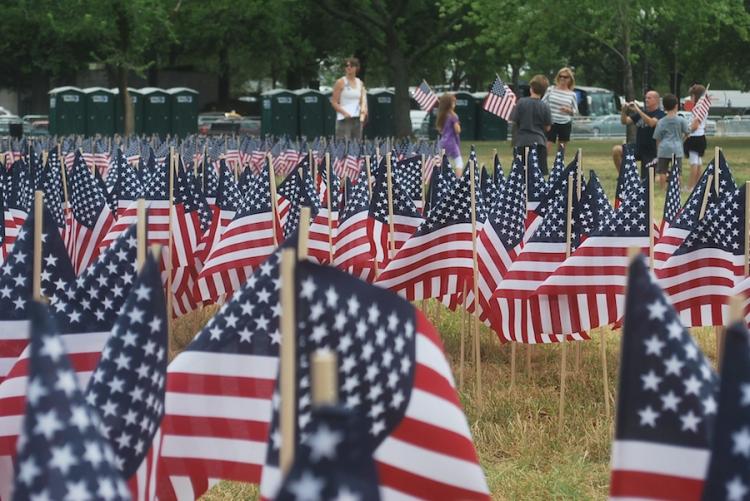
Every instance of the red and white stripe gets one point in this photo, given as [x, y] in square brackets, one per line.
[379, 232]
[84, 243]
[700, 283]
[352, 245]
[645, 470]
[245, 244]
[432, 265]
[588, 289]
[216, 422]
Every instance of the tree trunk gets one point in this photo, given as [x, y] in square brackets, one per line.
[127, 103]
[402, 102]
[627, 67]
[515, 74]
[223, 75]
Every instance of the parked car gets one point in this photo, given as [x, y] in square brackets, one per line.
[607, 125]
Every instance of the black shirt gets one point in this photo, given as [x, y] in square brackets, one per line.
[645, 144]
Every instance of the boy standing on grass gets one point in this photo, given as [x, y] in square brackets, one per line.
[669, 134]
[532, 119]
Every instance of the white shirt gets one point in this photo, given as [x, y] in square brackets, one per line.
[349, 99]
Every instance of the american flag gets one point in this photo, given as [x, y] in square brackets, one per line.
[628, 178]
[686, 219]
[61, 452]
[442, 183]
[18, 200]
[332, 464]
[672, 200]
[128, 386]
[247, 178]
[406, 218]
[591, 211]
[123, 184]
[558, 166]
[353, 160]
[522, 318]
[3, 247]
[500, 101]
[352, 244]
[133, 151]
[394, 375]
[666, 401]
[15, 286]
[246, 242]
[498, 244]
[233, 152]
[219, 389]
[588, 288]
[408, 172]
[497, 172]
[51, 184]
[700, 110]
[209, 182]
[323, 223]
[92, 216]
[425, 97]
[728, 474]
[490, 189]
[437, 260]
[700, 275]
[85, 315]
[289, 194]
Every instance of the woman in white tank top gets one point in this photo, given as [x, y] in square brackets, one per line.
[349, 99]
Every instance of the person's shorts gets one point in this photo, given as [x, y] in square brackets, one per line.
[696, 144]
[646, 158]
[559, 132]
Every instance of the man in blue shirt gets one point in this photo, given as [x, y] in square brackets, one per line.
[645, 120]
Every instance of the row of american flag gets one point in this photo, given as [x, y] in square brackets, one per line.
[238, 151]
[541, 276]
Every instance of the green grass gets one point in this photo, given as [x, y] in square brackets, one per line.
[515, 428]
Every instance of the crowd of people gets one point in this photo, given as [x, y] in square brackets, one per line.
[545, 118]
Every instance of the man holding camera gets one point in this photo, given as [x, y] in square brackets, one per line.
[645, 120]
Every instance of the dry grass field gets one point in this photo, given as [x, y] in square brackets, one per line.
[515, 427]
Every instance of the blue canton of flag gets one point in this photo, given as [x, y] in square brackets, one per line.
[335, 462]
[729, 471]
[61, 453]
[672, 200]
[53, 189]
[127, 388]
[666, 403]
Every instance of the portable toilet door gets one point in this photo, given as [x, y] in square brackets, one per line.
[490, 127]
[467, 114]
[184, 111]
[67, 111]
[156, 111]
[279, 113]
[311, 105]
[137, 99]
[100, 111]
[379, 113]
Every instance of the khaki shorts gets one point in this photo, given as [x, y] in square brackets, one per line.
[349, 128]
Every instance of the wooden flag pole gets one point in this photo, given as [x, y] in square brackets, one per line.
[477, 355]
[140, 231]
[325, 386]
[462, 355]
[716, 170]
[328, 205]
[369, 190]
[651, 218]
[391, 225]
[579, 182]
[288, 369]
[303, 232]
[36, 284]
[563, 360]
[170, 251]
[274, 204]
[704, 202]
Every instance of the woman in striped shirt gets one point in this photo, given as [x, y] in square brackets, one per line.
[563, 105]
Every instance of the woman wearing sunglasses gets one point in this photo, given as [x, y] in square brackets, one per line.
[349, 99]
[563, 104]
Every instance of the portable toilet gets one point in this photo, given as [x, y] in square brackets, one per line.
[67, 111]
[156, 111]
[100, 111]
[379, 113]
[137, 99]
[467, 113]
[490, 127]
[184, 111]
[279, 114]
[311, 106]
